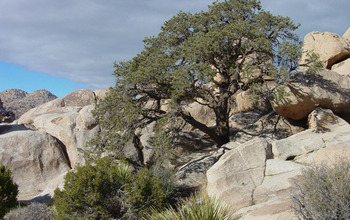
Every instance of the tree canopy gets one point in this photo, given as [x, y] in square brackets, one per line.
[205, 57]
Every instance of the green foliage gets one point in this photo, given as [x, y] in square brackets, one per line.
[195, 208]
[8, 191]
[165, 175]
[34, 211]
[108, 189]
[323, 191]
[313, 62]
[235, 40]
[144, 192]
[93, 191]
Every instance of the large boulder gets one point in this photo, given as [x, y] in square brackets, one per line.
[270, 126]
[19, 102]
[326, 131]
[201, 113]
[272, 198]
[306, 91]
[192, 175]
[34, 157]
[343, 68]
[69, 119]
[80, 98]
[329, 46]
[238, 172]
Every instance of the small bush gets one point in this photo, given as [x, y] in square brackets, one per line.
[34, 211]
[8, 191]
[108, 190]
[323, 191]
[195, 208]
[93, 191]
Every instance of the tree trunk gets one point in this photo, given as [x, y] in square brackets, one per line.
[222, 121]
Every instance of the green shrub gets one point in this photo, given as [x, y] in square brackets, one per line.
[145, 192]
[195, 208]
[323, 191]
[166, 176]
[34, 211]
[8, 191]
[93, 191]
[108, 190]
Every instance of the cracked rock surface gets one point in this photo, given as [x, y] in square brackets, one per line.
[256, 178]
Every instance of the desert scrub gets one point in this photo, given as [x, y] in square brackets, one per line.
[144, 192]
[8, 191]
[195, 208]
[323, 191]
[34, 211]
[93, 191]
[108, 190]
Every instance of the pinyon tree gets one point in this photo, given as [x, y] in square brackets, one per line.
[206, 57]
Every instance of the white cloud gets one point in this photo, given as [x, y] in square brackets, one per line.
[80, 40]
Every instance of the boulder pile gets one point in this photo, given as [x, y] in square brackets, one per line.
[43, 144]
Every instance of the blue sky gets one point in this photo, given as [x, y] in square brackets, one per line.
[65, 45]
[16, 76]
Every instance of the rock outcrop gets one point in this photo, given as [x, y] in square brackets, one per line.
[257, 179]
[307, 91]
[270, 126]
[331, 47]
[5, 116]
[18, 102]
[34, 157]
[68, 119]
[238, 172]
[343, 68]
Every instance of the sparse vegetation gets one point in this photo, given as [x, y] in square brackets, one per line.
[323, 191]
[34, 211]
[8, 191]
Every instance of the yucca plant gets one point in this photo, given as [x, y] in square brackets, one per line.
[198, 207]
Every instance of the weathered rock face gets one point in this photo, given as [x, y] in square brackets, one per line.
[34, 157]
[69, 119]
[272, 198]
[257, 180]
[331, 47]
[238, 172]
[80, 98]
[270, 126]
[201, 113]
[192, 175]
[326, 130]
[306, 91]
[19, 102]
[343, 68]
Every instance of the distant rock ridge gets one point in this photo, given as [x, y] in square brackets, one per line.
[18, 102]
